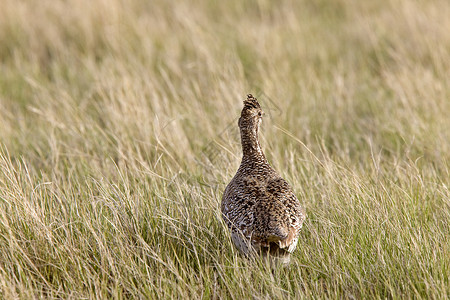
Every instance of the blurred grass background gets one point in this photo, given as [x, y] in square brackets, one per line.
[118, 131]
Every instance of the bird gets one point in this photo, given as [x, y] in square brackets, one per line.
[258, 206]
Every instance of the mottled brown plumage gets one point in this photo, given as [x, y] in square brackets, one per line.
[258, 206]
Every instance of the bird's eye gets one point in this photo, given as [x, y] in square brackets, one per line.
[260, 114]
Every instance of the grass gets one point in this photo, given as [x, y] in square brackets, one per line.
[118, 130]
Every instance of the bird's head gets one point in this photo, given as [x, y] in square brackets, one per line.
[251, 114]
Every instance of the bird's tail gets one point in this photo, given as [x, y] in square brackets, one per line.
[282, 238]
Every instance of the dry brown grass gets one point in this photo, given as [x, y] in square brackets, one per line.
[118, 126]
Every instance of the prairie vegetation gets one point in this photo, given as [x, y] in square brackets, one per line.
[118, 132]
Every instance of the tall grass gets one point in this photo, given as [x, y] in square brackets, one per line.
[118, 129]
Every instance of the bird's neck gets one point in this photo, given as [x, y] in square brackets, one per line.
[251, 149]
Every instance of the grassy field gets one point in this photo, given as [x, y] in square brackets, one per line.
[118, 135]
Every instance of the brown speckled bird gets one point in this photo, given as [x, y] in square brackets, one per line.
[258, 206]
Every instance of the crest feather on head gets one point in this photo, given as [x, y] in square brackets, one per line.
[251, 102]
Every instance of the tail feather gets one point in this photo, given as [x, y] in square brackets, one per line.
[276, 254]
[283, 240]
